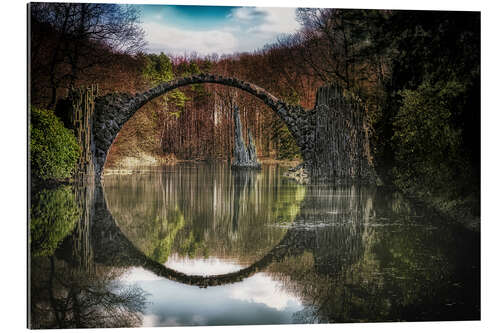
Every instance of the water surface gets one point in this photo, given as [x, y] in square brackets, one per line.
[199, 244]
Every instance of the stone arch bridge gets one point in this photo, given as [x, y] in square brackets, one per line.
[332, 136]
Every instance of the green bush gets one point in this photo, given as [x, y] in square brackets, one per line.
[427, 143]
[54, 150]
[287, 147]
[53, 215]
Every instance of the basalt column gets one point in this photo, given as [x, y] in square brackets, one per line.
[334, 140]
[243, 158]
[82, 102]
[341, 144]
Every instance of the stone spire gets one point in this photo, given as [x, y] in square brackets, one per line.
[243, 157]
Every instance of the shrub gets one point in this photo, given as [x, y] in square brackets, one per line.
[427, 143]
[54, 150]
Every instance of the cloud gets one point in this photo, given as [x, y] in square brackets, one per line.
[261, 288]
[247, 13]
[150, 320]
[258, 26]
[267, 20]
[257, 299]
[164, 38]
[245, 29]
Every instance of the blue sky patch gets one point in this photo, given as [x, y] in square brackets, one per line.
[205, 30]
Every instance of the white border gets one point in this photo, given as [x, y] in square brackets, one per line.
[13, 163]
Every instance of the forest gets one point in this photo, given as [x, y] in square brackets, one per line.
[417, 74]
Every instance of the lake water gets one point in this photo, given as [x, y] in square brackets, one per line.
[199, 244]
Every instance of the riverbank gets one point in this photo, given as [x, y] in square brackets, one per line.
[131, 165]
[285, 163]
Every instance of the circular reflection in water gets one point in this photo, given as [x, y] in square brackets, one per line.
[207, 217]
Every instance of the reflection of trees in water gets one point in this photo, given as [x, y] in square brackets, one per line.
[242, 186]
[338, 217]
[82, 249]
[352, 255]
[67, 289]
[224, 213]
[360, 270]
[65, 297]
[53, 215]
[334, 221]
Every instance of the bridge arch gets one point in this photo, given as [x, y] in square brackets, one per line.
[112, 111]
[332, 137]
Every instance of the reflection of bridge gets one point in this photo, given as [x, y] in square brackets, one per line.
[111, 247]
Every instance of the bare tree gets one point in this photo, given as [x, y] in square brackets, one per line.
[333, 42]
[82, 36]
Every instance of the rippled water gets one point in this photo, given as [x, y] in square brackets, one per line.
[198, 244]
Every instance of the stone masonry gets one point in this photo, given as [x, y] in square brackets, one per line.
[332, 136]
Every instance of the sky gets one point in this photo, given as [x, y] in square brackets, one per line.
[259, 298]
[182, 30]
